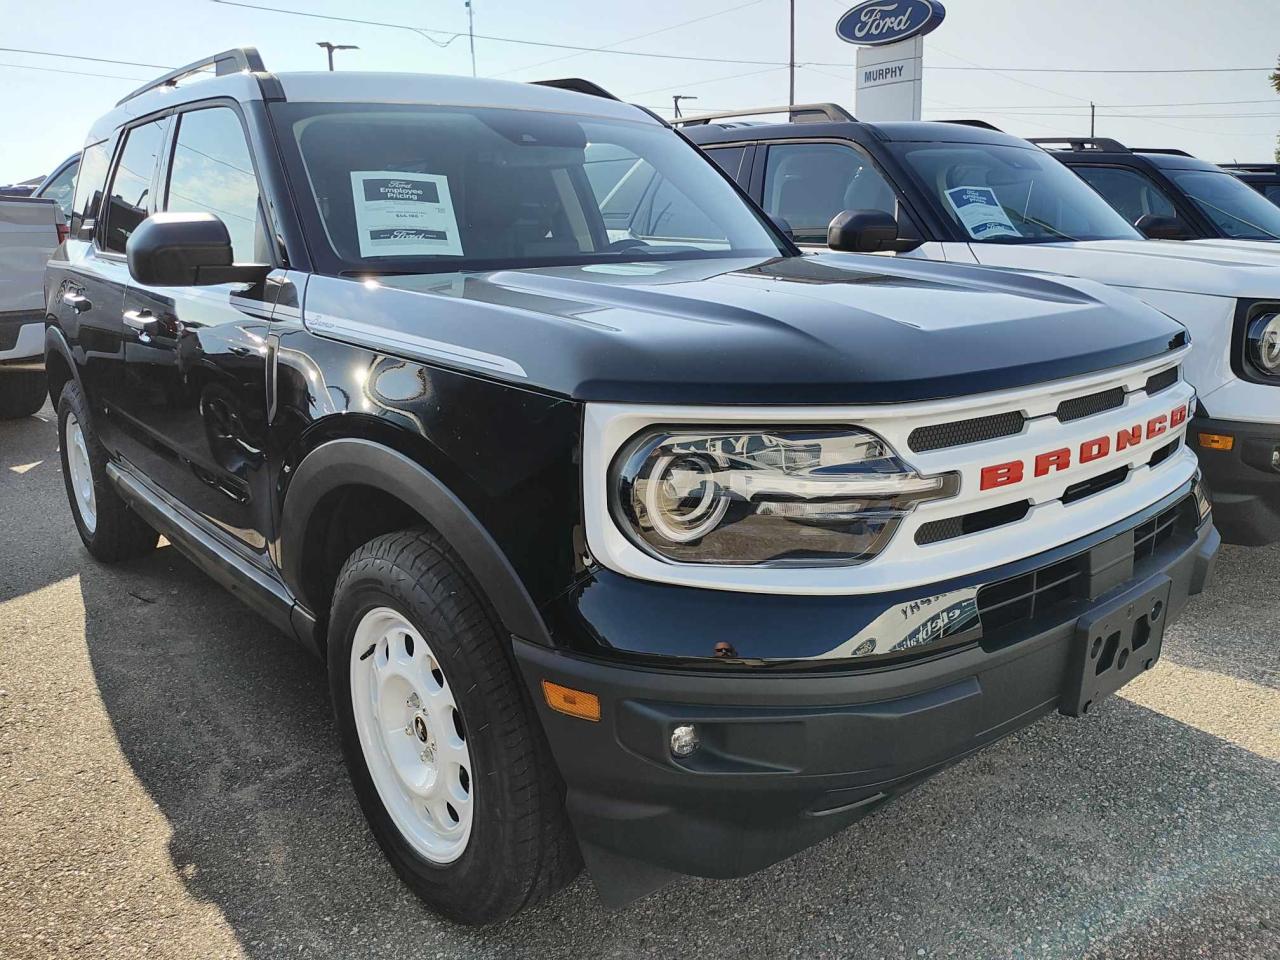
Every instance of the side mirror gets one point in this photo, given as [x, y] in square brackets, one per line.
[186, 250]
[1162, 228]
[863, 231]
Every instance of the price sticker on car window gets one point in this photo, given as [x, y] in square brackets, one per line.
[404, 214]
[981, 213]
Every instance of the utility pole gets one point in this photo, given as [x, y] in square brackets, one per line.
[330, 47]
[792, 63]
[675, 104]
[471, 34]
[1093, 112]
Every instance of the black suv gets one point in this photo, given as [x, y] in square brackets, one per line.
[629, 534]
[1167, 193]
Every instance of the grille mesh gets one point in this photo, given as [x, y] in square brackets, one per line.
[1162, 380]
[938, 436]
[1023, 598]
[935, 531]
[1077, 408]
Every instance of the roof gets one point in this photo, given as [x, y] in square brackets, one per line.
[356, 87]
[921, 131]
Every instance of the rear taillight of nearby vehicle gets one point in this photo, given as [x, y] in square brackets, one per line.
[64, 231]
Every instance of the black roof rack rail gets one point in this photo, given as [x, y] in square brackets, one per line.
[1084, 143]
[981, 124]
[236, 60]
[1170, 151]
[798, 113]
[1252, 167]
[577, 85]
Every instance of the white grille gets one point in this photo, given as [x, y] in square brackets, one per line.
[905, 563]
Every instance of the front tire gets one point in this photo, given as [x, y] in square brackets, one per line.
[22, 393]
[110, 530]
[445, 752]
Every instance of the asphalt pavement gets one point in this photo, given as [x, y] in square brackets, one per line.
[171, 786]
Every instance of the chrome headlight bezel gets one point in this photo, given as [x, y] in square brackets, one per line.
[764, 496]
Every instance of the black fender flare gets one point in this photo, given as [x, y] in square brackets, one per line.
[342, 462]
[55, 342]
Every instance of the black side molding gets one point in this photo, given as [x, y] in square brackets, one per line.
[349, 461]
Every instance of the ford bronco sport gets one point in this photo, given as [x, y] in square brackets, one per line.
[629, 534]
[966, 193]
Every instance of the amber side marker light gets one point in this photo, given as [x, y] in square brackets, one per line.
[1217, 441]
[576, 703]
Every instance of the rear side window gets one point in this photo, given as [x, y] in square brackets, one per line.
[61, 188]
[728, 159]
[212, 172]
[1130, 192]
[89, 185]
[130, 196]
[807, 184]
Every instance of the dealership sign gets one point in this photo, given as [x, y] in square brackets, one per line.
[878, 22]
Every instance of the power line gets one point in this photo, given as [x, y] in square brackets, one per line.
[698, 83]
[74, 73]
[639, 36]
[1087, 70]
[76, 56]
[498, 39]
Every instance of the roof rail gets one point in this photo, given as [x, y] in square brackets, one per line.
[236, 60]
[1083, 143]
[577, 85]
[1170, 151]
[981, 124]
[798, 113]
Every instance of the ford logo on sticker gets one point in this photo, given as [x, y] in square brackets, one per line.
[877, 22]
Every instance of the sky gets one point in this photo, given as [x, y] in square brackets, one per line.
[47, 103]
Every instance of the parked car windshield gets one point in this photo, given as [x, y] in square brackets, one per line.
[1006, 194]
[410, 188]
[1236, 209]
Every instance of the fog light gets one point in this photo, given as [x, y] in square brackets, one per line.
[684, 740]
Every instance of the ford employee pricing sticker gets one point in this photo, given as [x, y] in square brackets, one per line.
[404, 214]
[980, 212]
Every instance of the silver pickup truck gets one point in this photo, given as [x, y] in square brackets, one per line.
[30, 229]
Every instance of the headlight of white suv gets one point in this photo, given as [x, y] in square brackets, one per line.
[800, 497]
[1263, 343]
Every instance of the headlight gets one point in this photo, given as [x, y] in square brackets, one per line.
[796, 497]
[1263, 343]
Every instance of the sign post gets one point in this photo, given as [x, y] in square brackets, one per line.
[890, 67]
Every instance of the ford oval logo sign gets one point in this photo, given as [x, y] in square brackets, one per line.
[878, 22]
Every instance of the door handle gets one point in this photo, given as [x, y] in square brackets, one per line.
[144, 321]
[76, 301]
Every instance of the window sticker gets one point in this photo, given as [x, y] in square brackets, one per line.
[404, 214]
[981, 213]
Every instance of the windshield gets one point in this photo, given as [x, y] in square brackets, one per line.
[1006, 194]
[412, 189]
[1238, 210]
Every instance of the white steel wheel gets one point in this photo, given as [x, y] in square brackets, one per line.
[80, 472]
[412, 735]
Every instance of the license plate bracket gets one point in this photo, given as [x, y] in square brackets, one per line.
[1114, 644]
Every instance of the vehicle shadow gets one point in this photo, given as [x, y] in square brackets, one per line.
[33, 508]
[1112, 829]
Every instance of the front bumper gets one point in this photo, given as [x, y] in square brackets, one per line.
[788, 757]
[1244, 481]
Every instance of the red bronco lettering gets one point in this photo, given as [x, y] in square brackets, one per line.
[1014, 471]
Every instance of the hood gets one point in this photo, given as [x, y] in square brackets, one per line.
[834, 328]
[1223, 268]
